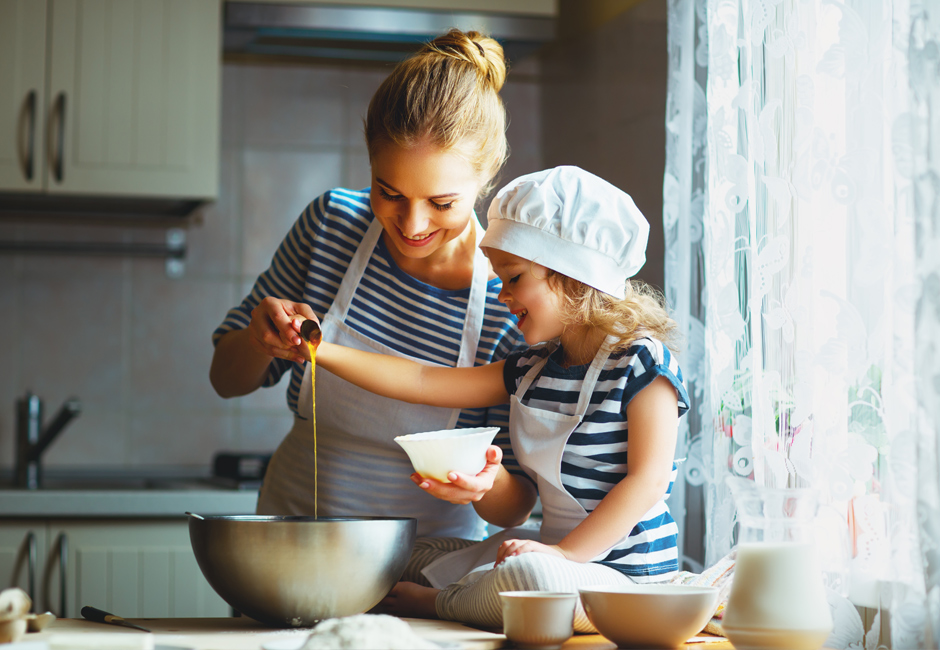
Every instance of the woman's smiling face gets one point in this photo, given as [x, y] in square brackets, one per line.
[531, 298]
[423, 196]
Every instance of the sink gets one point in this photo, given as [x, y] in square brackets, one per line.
[124, 484]
[129, 484]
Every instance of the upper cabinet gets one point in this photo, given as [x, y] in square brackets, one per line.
[110, 97]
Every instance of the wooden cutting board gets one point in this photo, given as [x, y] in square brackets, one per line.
[239, 633]
[246, 634]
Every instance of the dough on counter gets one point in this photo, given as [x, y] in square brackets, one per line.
[366, 632]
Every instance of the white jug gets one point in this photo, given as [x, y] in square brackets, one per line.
[778, 599]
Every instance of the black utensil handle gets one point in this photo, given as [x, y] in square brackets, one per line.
[99, 616]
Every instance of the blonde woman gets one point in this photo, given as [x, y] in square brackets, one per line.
[397, 269]
[594, 407]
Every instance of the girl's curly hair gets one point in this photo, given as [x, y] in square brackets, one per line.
[642, 312]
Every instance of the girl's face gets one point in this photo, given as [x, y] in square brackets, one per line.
[423, 196]
[529, 296]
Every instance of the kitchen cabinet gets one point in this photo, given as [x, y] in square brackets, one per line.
[135, 568]
[110, 97]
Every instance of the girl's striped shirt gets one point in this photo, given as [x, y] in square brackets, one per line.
[595, 457]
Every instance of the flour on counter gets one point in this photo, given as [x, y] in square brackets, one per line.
[366, 632]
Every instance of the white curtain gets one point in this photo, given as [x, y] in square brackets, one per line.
[802, 217]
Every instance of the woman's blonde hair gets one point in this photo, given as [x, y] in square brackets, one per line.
[642, 312]
[447, 93]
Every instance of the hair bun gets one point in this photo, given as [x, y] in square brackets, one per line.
[482, 51]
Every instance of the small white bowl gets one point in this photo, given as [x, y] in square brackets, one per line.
[436, 453]
[649, 615]
[538, 620]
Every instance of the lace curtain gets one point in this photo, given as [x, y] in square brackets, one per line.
[802, 222]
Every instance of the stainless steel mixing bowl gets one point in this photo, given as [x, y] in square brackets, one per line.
[294, 571]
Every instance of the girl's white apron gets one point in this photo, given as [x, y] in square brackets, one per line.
[538, 438]
[361, 470]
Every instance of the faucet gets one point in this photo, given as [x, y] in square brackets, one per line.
[32, 439]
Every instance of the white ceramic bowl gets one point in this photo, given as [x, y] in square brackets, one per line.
[538, 620]
[649, 616]
[435, 453]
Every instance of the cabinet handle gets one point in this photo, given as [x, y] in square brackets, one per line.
[63, 567]
[27, 551]
[30, 162]
[31, 564]
[62, 544]
[58, 164]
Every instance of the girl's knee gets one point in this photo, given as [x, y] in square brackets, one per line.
[527, 572]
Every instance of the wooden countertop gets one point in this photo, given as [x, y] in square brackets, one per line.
[245, 634]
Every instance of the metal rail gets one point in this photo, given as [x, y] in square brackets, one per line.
[173, 250]
[95, 248]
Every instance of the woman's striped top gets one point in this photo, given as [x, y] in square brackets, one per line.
[595, 457]
[389, 306]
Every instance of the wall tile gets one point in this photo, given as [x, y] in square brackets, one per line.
[603, 98]
[95, 438]
[87, 267]
[73, 336]
[277, 186]
[357, 173]
[262, 432]
[361, 84]
[170, 347]
[233, 106]
[138, 348]
[10, 356]
[212, 236]
[72, 346]
[294, 106]
[178, 438]
[522, 100]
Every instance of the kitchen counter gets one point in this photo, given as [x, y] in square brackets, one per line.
[245, 634]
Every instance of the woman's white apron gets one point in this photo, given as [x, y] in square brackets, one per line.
[539, 438]
[361, 470]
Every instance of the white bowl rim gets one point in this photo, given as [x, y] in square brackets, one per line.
[538, 594]
[650, 589]
[445, 434]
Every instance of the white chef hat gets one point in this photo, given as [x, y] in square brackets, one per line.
[572, 222]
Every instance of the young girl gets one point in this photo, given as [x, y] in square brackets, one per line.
[594, 406]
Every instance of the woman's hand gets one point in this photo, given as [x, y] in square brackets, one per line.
[463, 488]
[275, 329]
[519, 546]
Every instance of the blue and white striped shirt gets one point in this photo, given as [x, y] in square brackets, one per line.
[595, 457]
[389, 306]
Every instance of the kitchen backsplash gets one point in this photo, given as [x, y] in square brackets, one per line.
[133, 345]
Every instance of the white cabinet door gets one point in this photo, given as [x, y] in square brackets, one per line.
[133, 97]
[134, 569]
[22, 94]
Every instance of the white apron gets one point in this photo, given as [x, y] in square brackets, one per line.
[538, 439]
[361, 470]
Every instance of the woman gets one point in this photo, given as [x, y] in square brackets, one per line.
[396, 269]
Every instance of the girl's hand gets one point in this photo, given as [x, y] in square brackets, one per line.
[519, 546]
[275, 329]
[464, 489]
